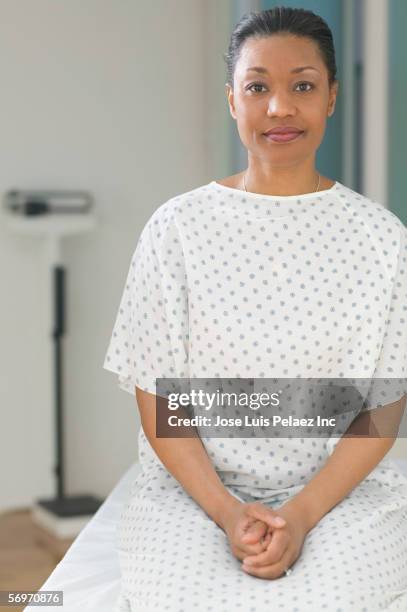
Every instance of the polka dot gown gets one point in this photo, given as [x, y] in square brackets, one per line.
[224, 283]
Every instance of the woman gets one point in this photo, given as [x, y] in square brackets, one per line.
[274, 271]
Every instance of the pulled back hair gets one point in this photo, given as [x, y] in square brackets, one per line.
[281, 19]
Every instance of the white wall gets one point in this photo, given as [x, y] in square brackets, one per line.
[125, 99]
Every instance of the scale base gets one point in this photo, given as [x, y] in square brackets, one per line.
[65, 517]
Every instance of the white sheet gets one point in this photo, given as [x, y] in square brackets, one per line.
[89, 573]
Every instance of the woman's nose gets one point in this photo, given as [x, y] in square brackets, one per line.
[281, 104]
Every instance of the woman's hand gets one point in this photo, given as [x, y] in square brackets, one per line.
[284, 545]
[247, 532]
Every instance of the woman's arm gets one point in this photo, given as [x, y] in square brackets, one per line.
[351, 461]
[187, 460]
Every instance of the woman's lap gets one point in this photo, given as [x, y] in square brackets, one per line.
[174, 557]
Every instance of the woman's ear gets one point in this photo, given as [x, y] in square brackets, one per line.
[332, 98]
[230, 97]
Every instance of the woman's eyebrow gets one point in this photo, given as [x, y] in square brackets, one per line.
[294, 70]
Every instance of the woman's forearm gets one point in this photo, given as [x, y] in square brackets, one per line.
[187, 460]
[351, 461]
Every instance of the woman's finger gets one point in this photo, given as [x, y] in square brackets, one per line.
[254, 533]
[274, 570]
[256, 543]
[244, 550]
[267, 538]
[273, 553]
[261, 512]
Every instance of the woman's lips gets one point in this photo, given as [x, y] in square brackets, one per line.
[287, 137]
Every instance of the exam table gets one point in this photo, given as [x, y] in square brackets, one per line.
[89, 573]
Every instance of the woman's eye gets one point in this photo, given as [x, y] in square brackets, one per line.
[306, 83]
[261, 85]
[255, 85]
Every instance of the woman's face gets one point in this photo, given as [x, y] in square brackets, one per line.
[278, 97]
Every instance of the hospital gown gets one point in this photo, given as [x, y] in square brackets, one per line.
[224, 283]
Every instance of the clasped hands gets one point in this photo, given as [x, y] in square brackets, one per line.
[267, 541]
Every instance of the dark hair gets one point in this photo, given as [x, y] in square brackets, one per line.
[296, 21]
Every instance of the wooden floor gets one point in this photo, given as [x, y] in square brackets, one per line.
[28, 554]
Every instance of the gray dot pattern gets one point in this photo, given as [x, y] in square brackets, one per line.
[231, 284]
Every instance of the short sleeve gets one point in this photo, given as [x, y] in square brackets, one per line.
[150, 335]
[388, 383]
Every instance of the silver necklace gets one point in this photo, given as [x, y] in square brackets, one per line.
[244, 181]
